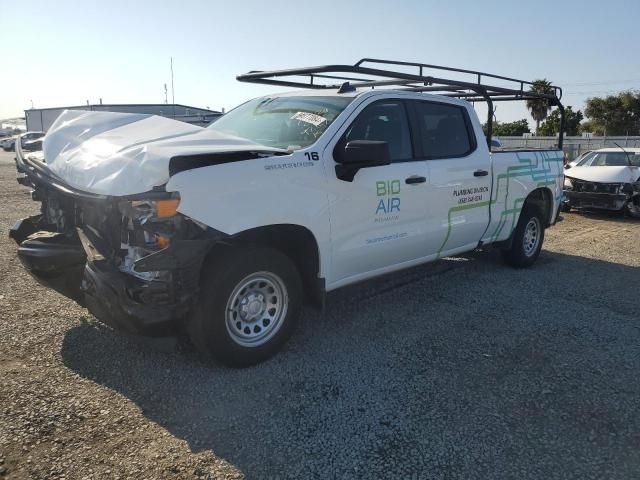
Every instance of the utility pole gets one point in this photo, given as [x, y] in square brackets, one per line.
[173, 96]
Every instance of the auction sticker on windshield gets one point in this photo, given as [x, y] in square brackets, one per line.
[308, 117]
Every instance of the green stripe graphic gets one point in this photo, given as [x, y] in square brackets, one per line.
[534, 168]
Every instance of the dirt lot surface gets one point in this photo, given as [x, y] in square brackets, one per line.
[459, 369]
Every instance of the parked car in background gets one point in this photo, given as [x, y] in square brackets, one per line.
[576, 161]
[10, 146]
[605, 179]
[33, 145]
[32, 141]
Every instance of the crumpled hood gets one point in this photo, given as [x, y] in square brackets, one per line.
[604, 174]
[118, 154]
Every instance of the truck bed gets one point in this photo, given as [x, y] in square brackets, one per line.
[516, 173]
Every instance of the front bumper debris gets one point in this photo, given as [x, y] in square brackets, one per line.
[129, 304]
[104, 252]
[25, 227]
[73, 266]
[53, 259]
[600, 201]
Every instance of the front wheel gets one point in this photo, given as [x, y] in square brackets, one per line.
[249, 304]
[633, 207]
[527, 239]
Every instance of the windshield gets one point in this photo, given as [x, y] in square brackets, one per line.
[282, 122]
[610, 159]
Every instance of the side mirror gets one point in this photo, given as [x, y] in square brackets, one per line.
[567, 166]
[359, 154]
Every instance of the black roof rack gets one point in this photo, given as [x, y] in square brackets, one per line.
[372, 72]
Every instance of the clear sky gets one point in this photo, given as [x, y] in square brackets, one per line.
[60, 52]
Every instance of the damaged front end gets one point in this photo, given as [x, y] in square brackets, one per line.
[590, 195]
[133, 261]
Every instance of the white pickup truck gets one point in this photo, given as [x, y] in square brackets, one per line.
[157, 226]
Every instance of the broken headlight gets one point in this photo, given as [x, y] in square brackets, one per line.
[146, 209]
[152, 221]
[568, 184]
[148, 226]
[626, 188]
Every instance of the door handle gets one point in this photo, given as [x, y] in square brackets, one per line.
[480, 173]
[413, 179]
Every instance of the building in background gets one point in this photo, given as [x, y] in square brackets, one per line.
[41, 119]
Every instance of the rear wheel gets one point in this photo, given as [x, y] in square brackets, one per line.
[527, 239]
[249, 304]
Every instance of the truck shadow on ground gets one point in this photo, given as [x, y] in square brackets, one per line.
[460, 367]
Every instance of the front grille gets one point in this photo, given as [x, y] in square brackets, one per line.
[594, 187]
[595, 200]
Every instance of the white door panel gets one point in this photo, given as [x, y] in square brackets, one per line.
[459, 201]
[377, 220]
[459, 169]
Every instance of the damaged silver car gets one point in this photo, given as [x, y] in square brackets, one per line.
[605, 179]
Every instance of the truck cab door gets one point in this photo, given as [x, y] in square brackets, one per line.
[459, 164]
[378, 219]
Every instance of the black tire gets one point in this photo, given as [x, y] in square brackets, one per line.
[632, 207]
[212, 332]
[522, 253]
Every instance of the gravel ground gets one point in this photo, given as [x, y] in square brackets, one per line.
[459, 369]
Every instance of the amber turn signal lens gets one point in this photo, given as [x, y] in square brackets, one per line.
[161, 241]
[166, 208]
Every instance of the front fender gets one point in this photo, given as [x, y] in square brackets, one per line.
[243, 195]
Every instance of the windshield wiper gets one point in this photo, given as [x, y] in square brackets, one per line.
[263, 104]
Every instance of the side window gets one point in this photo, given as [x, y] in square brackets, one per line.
[443, 129]
[383, 121]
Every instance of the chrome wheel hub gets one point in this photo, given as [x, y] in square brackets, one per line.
[252, 306]
[256, 309]
[531, 237]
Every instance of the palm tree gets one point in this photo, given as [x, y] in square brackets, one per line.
[539, 108]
